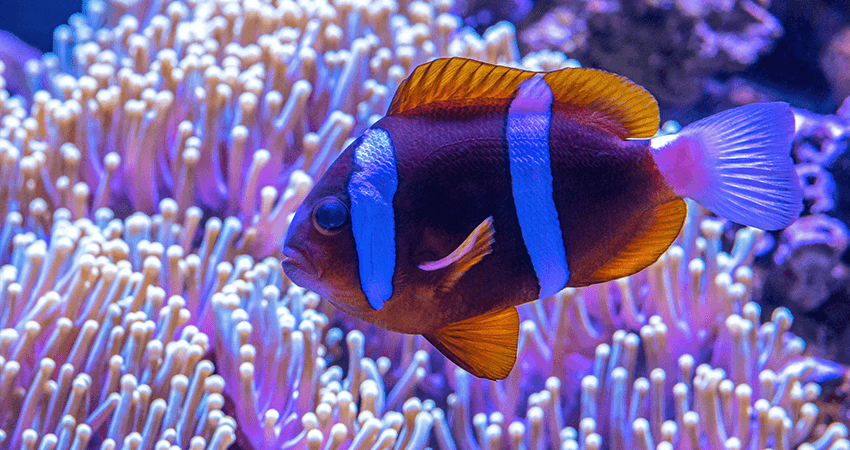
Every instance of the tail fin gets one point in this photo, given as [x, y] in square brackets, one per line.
[736, 163]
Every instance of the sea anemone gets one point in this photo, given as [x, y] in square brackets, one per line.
[95, 349]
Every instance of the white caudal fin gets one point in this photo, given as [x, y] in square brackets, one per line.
[737, 164]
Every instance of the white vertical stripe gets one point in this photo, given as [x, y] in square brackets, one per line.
[372, 186]
[527, 132]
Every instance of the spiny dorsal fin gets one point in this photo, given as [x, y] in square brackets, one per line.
[450, 83]
[598, 98]
[477, 245]
[485, 345]
[663, 225]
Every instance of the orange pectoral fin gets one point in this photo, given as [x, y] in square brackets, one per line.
[485, 345]
[475, 247]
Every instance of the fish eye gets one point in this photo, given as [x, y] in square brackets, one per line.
[329, 216]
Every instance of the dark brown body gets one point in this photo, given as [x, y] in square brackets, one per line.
[426, 198]
[456, 174]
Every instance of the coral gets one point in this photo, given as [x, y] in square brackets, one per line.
[669, 47]
[819, 143]
[809, 255]
[482, 13]
[835, 63]
[562, 28]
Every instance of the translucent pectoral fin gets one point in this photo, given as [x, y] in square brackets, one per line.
[475, 247]
[485, 345]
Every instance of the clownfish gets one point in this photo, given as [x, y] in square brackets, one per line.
[485, 187]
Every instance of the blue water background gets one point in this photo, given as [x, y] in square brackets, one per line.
[34, 21]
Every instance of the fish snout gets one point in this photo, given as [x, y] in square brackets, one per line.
[297, 264]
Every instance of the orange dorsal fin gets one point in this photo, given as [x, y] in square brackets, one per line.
[663, 225]
[485, 345]
[456, 83]
[476, 246]
[600, 99]
[605, 100]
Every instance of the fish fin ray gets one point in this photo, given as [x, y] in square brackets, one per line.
[736, 163]
[476, 246]
[485, 345]
[665, 222]
[627, 109]
[472, 82]
[603, 100]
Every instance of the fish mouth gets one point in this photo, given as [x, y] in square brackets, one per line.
[296, 262]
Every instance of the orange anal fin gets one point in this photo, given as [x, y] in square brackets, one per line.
[663, 225]
[485, 345]
[476, 246]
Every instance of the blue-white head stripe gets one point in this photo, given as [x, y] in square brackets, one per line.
[371, 188]
[527, 131]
